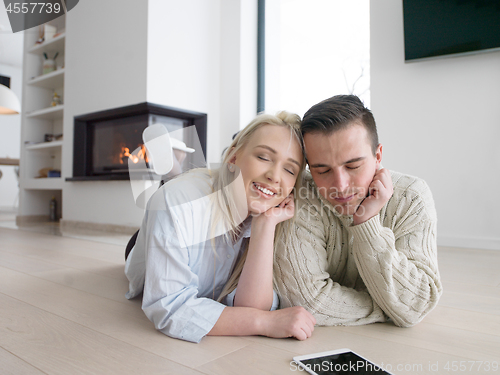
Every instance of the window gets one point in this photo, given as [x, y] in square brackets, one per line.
[315, 49]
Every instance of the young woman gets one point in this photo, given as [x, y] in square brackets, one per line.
[204, 254]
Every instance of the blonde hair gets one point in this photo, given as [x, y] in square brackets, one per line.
[225, 203]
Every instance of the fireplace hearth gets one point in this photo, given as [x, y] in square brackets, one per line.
[107, 142]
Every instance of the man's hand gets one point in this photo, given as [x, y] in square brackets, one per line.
[379, 193]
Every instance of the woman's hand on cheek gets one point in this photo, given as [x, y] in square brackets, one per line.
[284, 211]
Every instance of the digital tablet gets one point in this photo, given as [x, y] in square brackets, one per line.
[342, 361]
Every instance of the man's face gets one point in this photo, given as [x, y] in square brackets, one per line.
[342, 165]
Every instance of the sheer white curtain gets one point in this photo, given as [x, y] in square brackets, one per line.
[316, 49]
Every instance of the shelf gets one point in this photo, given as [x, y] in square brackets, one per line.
[53, 45]
[51, 113]
[50, 183]
[52, 80]
[9, 161]
[109, 177]
[44, 145]
[40, 119]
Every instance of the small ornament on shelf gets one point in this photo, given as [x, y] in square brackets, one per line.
[49, 31]
[52, 137]
[46, 32]
[48, 65]
[40, 39]
[56, 100]
[53, 209]
[48, 173]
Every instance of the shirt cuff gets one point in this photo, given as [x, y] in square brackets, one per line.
[230, 300]
[276, 301]
[194, 323]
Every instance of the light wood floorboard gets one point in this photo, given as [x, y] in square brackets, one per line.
[58, 346]
[63, 311]
[12, 365]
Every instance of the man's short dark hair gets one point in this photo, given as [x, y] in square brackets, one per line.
[339, 112]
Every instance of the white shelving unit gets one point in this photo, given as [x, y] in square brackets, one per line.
[39, 146]
[50, 80]
[54, 45]
[51, 113]
[54, 183]
[39, 119]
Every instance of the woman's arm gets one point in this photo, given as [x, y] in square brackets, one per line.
[244, 321]
[255, 286]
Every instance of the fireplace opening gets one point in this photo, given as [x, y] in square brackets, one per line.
[109, 143]
[114, 142]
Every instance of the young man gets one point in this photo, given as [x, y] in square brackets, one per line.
[363, 247]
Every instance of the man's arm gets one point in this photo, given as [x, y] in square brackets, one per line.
[302, 260]
[397, 263]
[398, 260]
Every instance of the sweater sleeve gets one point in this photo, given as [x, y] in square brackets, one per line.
[302, 278]
[396, 255]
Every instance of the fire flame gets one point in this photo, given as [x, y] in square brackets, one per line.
[135, 158]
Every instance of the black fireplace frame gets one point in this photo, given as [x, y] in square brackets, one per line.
[82, 142]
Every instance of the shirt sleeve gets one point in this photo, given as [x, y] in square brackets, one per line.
[398, 260]
[170, 297]
[230, 299]
[302, 278]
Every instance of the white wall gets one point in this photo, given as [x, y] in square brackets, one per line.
[202, 56]
[248, 62]
[183, 58]
[106, 54]
[439, 120]
[11, 44]
[10, 140]
[238, 68]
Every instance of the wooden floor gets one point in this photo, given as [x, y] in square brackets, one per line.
[63, 311]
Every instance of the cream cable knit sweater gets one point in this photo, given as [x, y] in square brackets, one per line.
[352, 275]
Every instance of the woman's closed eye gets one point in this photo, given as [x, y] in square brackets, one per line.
[262, 158]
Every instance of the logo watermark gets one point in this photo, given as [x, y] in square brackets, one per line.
[25, 14]
[464, 366]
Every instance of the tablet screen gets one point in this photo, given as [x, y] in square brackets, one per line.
[343, 363]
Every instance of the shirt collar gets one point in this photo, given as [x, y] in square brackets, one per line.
[246, 227]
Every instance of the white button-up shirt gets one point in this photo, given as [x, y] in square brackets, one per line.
[174, 261]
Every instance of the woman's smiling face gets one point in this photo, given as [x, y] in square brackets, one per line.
[269, 163]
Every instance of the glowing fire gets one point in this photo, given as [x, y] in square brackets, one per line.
[134, 157]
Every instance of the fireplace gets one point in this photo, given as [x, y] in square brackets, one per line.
[106, 143]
